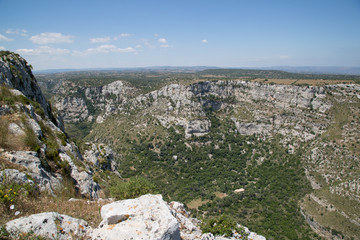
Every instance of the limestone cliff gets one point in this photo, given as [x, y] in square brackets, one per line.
[33, 139]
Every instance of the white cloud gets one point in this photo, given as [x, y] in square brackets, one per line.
[108, 39]
[43, 50]
[100, 40]
[104, 49]
[5, 39]
[204, 41]
[2, 48]
[147, 43]
[165, 46]
[46, 38]
[162, 40]
[22, 32]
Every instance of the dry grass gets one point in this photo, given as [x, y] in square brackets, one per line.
[330, 219]
[220, 194]
[5, 164]
[13, 142]
[81, 208]
[8, 140]
[4, 132]
[194, 204]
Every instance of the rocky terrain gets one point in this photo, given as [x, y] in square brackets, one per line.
[146, 217]
[36, 155]
[318, 125]
[226, 148]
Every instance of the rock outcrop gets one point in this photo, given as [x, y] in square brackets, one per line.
[45, 180]
[16, 73]
[35, 140]
[146, 217]
[80, 103]
[50, 225]
[186, 106]
[72, 108]
[101, 156]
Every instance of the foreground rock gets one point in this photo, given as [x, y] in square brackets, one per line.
[146, 217]
[50, 225]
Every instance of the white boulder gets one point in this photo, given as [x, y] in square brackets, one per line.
[50, 225]
[146, 217]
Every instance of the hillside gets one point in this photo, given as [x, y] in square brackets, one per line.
[51, 190]
[280, 159]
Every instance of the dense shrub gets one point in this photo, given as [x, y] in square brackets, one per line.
[222, 225]
[134, 188]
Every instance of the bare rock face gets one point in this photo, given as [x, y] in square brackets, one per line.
[83, 103]
[146, 217]
[16, 73]
[102, 156]
[45, 180]
[31, 118]
[73, 108]
[50, 225]
[83, 180]
[13, 175]
[189, 227]
[197, 128]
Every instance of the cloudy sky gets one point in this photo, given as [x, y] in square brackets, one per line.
[228, 33]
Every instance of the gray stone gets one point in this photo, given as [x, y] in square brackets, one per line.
[146, 217]
[23, 81]
[101, 156]
[197, 128]
[51, 225]
[72, 108]
[13, 175]
[46, 181]
[5, 109]
[83, 180]
[16, 129]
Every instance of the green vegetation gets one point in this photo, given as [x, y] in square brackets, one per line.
[229, 161]
[135, 187]
[10, 192]
[5, 235]
[222, 225]
[210, 168]
[272, 74]
[31, 140]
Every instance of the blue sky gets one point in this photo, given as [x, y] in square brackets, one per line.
[228, 33]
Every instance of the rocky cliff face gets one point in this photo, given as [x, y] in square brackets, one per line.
[257, 108]
[81, 103]
[16, 73]
[33, 140]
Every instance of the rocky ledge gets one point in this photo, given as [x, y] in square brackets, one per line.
[146, 217]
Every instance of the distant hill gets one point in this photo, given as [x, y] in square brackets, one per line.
[139, 69]
[318, 70]
[302, 69]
